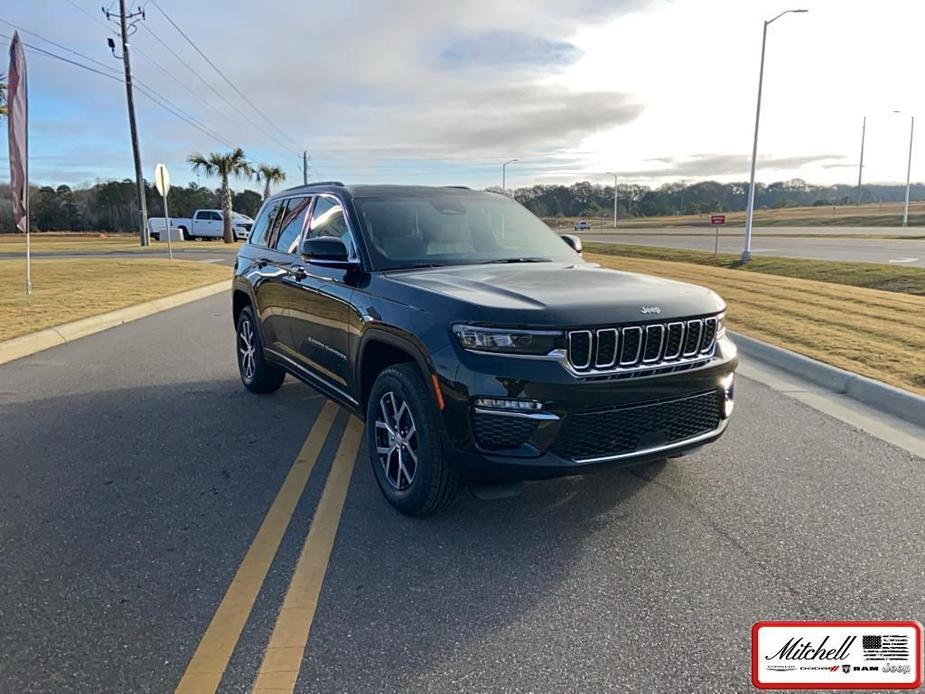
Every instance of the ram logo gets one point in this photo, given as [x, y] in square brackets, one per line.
[651, 309]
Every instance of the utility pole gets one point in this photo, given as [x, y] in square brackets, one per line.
[304, 167]
[127, 27]
[614, 199]
[909, 170]
[861, 163]
[504, 174]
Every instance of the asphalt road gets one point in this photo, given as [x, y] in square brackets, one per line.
[786, 242]
[135, 472]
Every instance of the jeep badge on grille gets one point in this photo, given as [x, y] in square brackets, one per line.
[651, 309]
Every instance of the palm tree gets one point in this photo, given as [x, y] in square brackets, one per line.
[224, 165]
[2, 95]
[269, 175]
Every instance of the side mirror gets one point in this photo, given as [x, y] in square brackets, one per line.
[325, 250]
[572, 241]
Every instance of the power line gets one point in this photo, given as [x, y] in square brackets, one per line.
[148, 92]
[222, 74]
[58, 45]
[214, 90]
[87, 14]
[176, 110]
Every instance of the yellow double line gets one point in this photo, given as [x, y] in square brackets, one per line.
[283, 657]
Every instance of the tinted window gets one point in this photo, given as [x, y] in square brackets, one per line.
[328, 220]
[456, 229]
[291, 225]
[265, 221]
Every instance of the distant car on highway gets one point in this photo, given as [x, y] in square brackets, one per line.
[476, 343]
[582, 225]
[204, 224]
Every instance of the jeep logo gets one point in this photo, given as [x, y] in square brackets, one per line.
[651, 309]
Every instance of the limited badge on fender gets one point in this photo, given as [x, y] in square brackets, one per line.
[837, 655]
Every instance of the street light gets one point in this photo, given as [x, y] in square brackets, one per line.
[504, 174]
[614, 198]
[747, 252]
[908, 168]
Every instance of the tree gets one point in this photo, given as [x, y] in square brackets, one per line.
[224, 166]
[2, 95]
[269, 175]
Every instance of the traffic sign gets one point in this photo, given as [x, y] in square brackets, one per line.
[162, 179]
[717, 219]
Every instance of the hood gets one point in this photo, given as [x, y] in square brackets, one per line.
[562, 294]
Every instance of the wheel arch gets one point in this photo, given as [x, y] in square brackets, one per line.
[379, 350]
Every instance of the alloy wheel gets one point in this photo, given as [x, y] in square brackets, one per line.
[396, 441]
[247, 350]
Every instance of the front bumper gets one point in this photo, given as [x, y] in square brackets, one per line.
[579, 424]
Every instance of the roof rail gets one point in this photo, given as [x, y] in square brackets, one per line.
[324, 183]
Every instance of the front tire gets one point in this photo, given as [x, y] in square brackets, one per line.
[257, 374]
[405, 448]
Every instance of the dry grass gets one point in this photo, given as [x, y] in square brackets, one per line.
[67, 290]
[888, 214]
[97, 243]
[891, 278]
[871, 332]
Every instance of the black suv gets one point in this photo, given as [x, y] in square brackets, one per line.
[474, 341]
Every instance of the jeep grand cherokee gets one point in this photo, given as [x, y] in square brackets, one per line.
[475, 342]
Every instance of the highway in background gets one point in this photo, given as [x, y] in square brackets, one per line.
[861, 244]
[136, 472]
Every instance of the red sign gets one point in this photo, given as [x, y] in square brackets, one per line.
[717, 219]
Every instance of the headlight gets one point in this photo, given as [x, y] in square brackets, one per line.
[721, 326]
[507, 341]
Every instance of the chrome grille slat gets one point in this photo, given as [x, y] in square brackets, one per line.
[651, 331]
[692, 339]
[576, 338]
[603, 337]
[647, 349]
[630, 335]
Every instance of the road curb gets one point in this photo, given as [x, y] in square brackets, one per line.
[23, 346]
[880, 396]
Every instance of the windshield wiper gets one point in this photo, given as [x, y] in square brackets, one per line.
[517, 260]
[416, 266]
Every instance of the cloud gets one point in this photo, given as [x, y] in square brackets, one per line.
[507, 48]
[359, 78]
[704, 165]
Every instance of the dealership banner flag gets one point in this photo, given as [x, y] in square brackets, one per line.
[17, 122]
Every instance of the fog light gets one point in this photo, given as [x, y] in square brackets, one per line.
[728, 384]
[503, 404]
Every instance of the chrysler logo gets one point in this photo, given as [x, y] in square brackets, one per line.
[651, 309]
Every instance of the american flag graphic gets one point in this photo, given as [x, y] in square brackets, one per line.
[885, 647]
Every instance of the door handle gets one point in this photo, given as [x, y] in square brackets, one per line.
[261, 263]
[298, 272]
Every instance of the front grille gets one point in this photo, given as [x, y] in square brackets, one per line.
[635, 348]
[498, 432]
[608, 432]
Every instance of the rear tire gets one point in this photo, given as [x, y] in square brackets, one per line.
[257, 374]
[185, 234]
[405, 447]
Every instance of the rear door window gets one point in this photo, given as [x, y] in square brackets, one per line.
[290, 226]
[266, 220]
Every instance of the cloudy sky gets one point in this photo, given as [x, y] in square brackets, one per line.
[418, 91]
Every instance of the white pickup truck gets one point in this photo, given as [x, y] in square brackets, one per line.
[204, 224]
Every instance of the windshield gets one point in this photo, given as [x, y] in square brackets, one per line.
[415, 231]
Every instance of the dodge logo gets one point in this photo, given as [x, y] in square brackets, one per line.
[651, 309]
